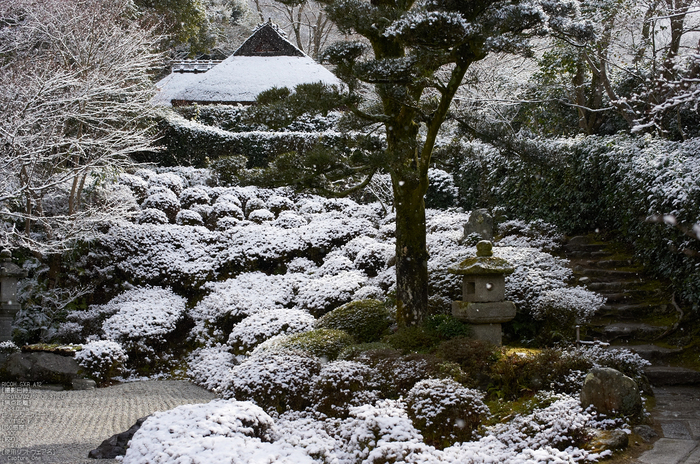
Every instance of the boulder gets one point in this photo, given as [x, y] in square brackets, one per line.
[611, 392]
[480, 222]
[41, 367]
[117, 444]
[604, 440]
[645, 432]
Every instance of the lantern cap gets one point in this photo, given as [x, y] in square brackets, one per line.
[484, 263]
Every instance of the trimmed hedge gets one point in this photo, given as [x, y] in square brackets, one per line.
[647, 190]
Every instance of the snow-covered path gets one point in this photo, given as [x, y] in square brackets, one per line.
[61, 427]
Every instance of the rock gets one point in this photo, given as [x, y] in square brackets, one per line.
[84, 384]
[612, 440]
[611, 392]
[41, 367]
[645, 432]
[116, 445]
[480, 222]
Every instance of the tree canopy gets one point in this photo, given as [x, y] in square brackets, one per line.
[402, 76]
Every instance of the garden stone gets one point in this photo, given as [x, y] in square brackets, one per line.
[612, 440]
[41, 367]
[83, 384]
[480, 222]
[611, 392]
[117, 444]
[645, 432]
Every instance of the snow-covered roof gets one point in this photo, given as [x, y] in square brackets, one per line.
[265, 60]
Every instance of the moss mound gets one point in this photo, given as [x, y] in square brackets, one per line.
[323, 343]
[366, 320]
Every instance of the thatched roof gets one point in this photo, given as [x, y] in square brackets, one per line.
[265, 60]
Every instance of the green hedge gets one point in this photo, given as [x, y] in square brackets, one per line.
[617, 183]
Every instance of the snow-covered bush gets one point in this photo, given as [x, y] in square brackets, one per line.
[8, 347]
[326, 293]
[341, 385]
[290, 220]
[194, 196]
[169, 180]
[277, 204]
[322, 343]
[254, 204]
[535, 234]
[222, 209]
[442, 192]
[209, 367]
[274, 380]
[365, 320]
[187, 217]
[261, 215]
[152, 216]
[397, 374]
[232, 300]
[302, 266]
[219, 431]
[163, 199]
[102, 359]
[265, 324]
[137, 185]
[143, 319]
[444, 411]
[380, 433]
[334, 264]
[373, 259]
[567, 306]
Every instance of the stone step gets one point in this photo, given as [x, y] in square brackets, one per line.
[651, 352]
[605, 264]
[629, 331]
[667, 375]
[628, 311]
[632, 296]
[606, 275]
[588, 254]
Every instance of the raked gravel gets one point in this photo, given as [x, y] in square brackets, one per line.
[61, 427]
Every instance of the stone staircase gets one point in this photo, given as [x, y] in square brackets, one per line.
[639, 313]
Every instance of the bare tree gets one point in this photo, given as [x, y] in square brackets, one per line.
[74, 99]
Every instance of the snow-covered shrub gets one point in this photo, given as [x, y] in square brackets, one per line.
[163, 199]
[274, 380]
[442, 192]
[301, 265]
[194, 196]
[290, 220]
[369, 292]
[219, 431]
[8, 347]
[397, 374]
[144, 318]
[261, 215]
[209, 367]
[380, 433]
[373, 259]
[334, 264]
[621, 359]
[102, 359]
[535, 234]
[187, 217]
[254, 204]
[257, 328]
[567, 306]
[277, 204]
[559, 424]
[444, 411]
[138, 186]
[322, 343]
[169, 180]
[203, 210]
[326, 293]
[222, 195]
[308, 206]
[152, 216]
[356, 245]
[341, 385]
[365, 320]
[222, 209]
[230, 301]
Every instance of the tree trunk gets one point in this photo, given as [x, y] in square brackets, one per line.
[411, 254]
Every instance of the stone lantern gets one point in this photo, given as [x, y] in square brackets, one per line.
[10, 273]
[483, 293]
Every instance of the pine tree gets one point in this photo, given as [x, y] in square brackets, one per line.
[414, 55]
